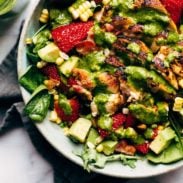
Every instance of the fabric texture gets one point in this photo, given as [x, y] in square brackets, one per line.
[11, 116]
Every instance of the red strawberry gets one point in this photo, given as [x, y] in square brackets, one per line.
[75, 111]
[142, 148]
[103, 133]
[72, 81]
[130, 121]
[118, 120]
[51, 72]
[174, 7]
[85, 47]
[68, 36]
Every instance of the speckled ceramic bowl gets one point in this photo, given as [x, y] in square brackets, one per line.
[54, 133]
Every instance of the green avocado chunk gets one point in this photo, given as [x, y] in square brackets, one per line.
[105, 122]
[79, 129]
[162, 141]
[49, 53]
[171, 154]
[150, 114]
[108, 147]
[92, 136]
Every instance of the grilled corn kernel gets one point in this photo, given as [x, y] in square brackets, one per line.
[46, 82]
[28, 41]
[53, 92]
[84, 17]
[89, 12]
[100, 148]
[81, 9]
[58, 121]
[142, 126]
[59, 61]
[43, 20]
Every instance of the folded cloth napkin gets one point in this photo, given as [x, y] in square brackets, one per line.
[11, 116]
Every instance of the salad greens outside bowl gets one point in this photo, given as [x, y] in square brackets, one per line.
[54, 134]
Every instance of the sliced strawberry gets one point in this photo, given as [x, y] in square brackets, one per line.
[118, 120]
[68, 36]
[103, 133]
[51, 72]
[72, 81]
[85, 47]
[74, 103]
[130, 121]
[174, 7]
[142, 148]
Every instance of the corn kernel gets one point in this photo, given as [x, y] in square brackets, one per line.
[56, 97]
[125, 111]
[28, 41]
[89, 12]
[58, 121]
[180, 83]
[87, 4]
[40, 65]
[53, 92]
[45, 12]
[71, 9]
[43, 20]
[100, 148]
[142, 126]
[81, 9]
[84, 17]
[75, 14]
[93, 4]
[59, 61]
[160, 127]
[53, 116]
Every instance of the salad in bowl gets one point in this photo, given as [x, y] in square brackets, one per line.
[110, 73]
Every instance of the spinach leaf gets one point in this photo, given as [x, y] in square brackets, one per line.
[31, 79]
[38, 105]
[169, 155]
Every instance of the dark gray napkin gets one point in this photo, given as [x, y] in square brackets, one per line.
[11, 116]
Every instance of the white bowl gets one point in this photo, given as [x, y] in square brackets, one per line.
[54, 134]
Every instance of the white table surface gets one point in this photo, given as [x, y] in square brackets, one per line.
[19, 161]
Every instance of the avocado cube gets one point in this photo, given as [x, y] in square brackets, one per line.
[79, 129]
[162, 141]
[67, 67]
[93, 136]
[108, 147]
[49, 53]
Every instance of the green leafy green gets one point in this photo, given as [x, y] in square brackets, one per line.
[31, 83]
[38, 105]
